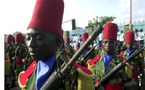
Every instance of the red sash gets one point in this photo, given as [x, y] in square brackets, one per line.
[135, 76]
[19, 61]
[109, 86]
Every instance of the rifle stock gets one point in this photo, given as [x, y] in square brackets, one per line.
[55, 79]
[118, 67]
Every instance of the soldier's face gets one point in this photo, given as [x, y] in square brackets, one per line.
[109, 46]
[41, 44]
[129, 46]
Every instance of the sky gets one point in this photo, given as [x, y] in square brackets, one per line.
[16, 14]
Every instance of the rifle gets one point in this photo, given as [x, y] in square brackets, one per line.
[118, 67]
[57, 76]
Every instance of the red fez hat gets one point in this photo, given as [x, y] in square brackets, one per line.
[67, 39]
[85, 36]
[110, 31]
[129, 37]
[9, 37]
[47, 15]
[18, 37]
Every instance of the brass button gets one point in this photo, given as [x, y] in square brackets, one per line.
[33, 65]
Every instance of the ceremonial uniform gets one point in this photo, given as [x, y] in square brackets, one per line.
[10, 52]
[21, 52]
[105, 61]
[10, 49]
[43, 37]
[136, 62]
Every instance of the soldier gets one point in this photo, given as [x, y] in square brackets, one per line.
[10, 49]
[104, 62]
[84, 38]
[137, 62]
[68, 47]
[10, 52]
[43, 40]
[21, 53]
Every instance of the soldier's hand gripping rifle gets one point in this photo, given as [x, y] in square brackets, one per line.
[118, 67]
[54, 81]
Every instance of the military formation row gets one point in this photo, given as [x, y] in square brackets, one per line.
[56, 66]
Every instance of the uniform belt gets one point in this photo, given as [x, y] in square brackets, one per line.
[19, 61]
[135, 76]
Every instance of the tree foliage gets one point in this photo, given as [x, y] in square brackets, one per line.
[102, 20]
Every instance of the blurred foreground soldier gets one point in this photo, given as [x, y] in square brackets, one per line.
[43, 41]
[103, 63]
[137, 62]
[68, 47]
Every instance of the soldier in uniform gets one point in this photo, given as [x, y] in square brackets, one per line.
[20, 53]
[10, 52]
[137, 62]
[68, 47]
[43, 40]
[104, 62]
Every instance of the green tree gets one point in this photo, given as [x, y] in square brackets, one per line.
[103, 20]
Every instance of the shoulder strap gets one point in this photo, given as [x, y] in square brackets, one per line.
[24, 75]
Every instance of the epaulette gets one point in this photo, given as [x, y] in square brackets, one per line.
[120, 54]
[24, 75]
[91, 62]
[81, 69]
